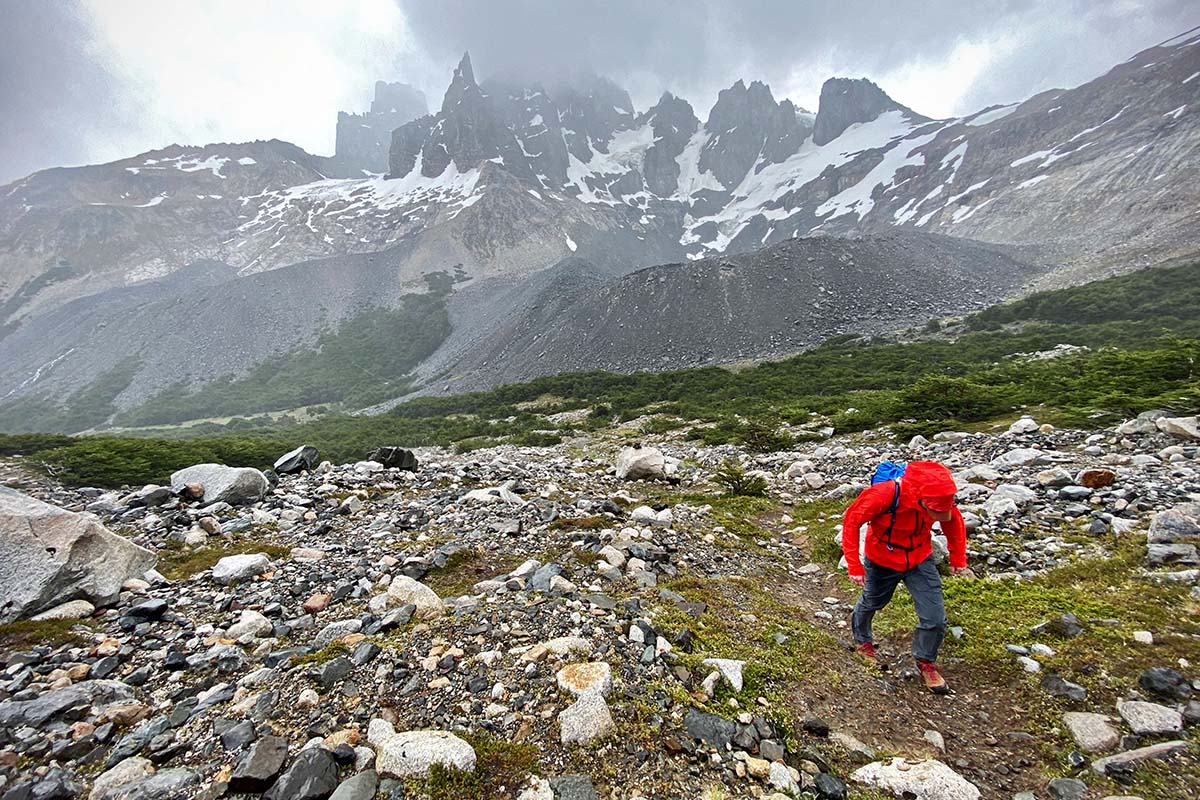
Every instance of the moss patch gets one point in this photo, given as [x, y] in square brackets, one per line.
[501, 768]
[178, 562]
[28, 632]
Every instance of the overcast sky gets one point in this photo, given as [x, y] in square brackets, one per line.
[85, 81]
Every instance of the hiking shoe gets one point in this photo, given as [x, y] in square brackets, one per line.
[867, 651]
[933, 677]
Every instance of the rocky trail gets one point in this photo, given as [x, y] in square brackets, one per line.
[599, 620]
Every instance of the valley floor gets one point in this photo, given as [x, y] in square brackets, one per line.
[542, 558]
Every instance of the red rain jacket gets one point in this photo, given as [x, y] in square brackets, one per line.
[910, 537]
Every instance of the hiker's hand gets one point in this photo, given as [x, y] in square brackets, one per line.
[964, 572]
[858, 580]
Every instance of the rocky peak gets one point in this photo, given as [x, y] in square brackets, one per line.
[399, 98]
[674, 123]
[846, 101]
[746, 123]
[461, 85]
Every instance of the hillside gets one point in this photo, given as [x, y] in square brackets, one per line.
[117, 268]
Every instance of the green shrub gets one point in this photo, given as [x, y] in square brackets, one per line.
[738, 483]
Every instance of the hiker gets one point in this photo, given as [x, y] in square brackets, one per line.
[901, 506]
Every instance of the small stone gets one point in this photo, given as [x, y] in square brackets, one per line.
[1150, 718]
[1091, 732]
[593, 676]
[587, 719]
[257, 769]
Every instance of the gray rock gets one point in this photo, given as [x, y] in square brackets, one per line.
[223, 484]
[1134, 757]
[715, 731]
[312, 776]
[49, 555]
[588, 718]
[334, 631]
[730, 669]
[1161, 555]
[304, 457]
[257, 769]
[110, 783]
[72, 609]
[1150, 718]
[395, 458]
[573, 787]
[361, 787]
[1166, 683]
[235, 569]
[57, 703]
[1067, 789]
[1092, 732]
[167, 784]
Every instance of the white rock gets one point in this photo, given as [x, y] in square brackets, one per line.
[404, 590]
[412, 754]
[72, 609]
[251, 623]
[1181, 427]
[1023, 425]
[730, 669]
[233, 569]
[223, 484]
[638, 463]
[590, 676]
[922, 780]
[1150, 718]
[588, 718]
[1018, 457]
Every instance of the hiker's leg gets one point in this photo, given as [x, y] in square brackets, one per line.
[877, 592]
[925, 585]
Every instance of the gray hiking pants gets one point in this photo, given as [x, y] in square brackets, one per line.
[924, 584]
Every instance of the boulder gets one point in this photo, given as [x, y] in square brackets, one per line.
[412, 754]
[395, 458]
[1150, 718]
[312, 776]
[922, 780]
[234, 569]
[1092, 732]
[223, 484]
[591, 676]
[641, 463]
[1180, 427]
[403, 590]
[49, 556]
[585, 720]
[304, 457]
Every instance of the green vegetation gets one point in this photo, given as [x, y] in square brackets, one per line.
[736, 482]
[328, 653]
[366, 360]
[83, 409]
[27, 632]
[181, 562]
[500, 769]
[1142, 332]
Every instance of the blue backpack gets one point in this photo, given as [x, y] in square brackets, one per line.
[890, 471]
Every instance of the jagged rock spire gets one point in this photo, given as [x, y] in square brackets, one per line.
[846, 101]
[460, 84]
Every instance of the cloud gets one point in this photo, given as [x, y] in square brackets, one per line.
[93, 80]
[942, 57]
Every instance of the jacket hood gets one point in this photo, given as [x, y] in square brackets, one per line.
[927, 479]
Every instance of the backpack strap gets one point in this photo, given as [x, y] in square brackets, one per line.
[887, 534]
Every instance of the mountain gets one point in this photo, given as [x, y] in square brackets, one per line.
[363, 140]
[178, 267]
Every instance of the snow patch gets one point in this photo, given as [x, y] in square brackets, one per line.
[1191, 77]
[571, 243]
[1177, 113]
[153, 201]
[1034, 181]
[246, 161]
[986, 117]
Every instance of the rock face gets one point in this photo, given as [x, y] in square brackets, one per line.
[845, 101]
[511, 180]
[363, 140]
[923, 780]
[49, 556]
[223, 484]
